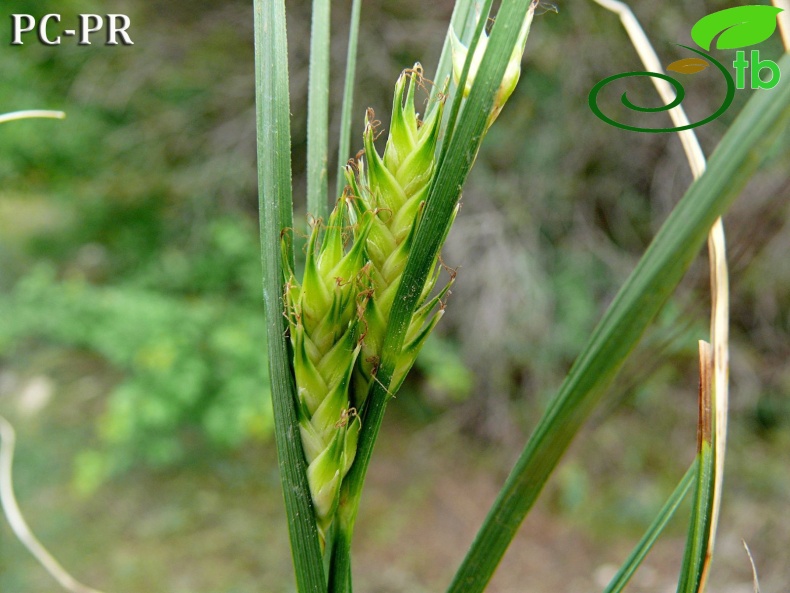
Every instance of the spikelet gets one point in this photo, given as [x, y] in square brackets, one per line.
[390, 193]
[324, 321]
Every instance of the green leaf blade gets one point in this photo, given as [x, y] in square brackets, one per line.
[276, 214]
[691, 578]
[763, 118]
[696, 560]
[318, 112]
[640, 551]
[348, 95]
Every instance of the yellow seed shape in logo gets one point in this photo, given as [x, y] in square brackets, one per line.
[688, 65]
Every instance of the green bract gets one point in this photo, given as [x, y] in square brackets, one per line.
[512, 73]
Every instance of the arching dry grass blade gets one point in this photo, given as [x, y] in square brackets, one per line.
[31, 114]
[17, 521]
[755, 580]
[717, 249]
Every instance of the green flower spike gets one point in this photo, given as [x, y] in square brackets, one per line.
[390, 191]
[324, 322]
[339, 314]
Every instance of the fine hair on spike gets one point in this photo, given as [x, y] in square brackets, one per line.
[375, 361]
[314, 221]
[345, 416]
[418, 77]
[452, 271]
[362, 300]
[374, 124]
[287, 235]
[443, 303]
[378, 209]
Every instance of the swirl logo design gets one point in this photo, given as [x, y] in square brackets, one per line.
[735, 28]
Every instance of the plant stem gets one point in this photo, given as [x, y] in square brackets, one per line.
[318, 112]
[340, 564]
[348, 95]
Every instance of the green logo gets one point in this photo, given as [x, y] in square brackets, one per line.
[735, 28]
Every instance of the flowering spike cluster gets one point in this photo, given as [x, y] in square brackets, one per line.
[338, 315]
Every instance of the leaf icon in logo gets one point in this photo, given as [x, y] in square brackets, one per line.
[739, 27]
[688, 65]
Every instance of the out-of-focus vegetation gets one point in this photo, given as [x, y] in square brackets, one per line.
[130, 229]
[130, 279]
[137, 242]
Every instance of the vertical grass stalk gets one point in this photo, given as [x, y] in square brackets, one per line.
[276, 211]
[348, 95]
[318, 111]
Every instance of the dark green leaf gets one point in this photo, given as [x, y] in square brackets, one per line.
[645, 544]
[276, 213]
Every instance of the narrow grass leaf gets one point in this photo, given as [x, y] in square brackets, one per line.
[645, 544]
[348, 95]
[735, 160]
[276, 214]
[696, 560]
[318, 111]
[458, 97]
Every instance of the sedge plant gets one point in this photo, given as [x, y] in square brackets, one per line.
[343, 335]
[338, 314]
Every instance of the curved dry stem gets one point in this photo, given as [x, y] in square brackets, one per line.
[784, 21]
[31, 113]
[755, 580]
[717, 250]
[17, 521]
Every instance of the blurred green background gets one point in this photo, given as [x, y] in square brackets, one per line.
[132, 341]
